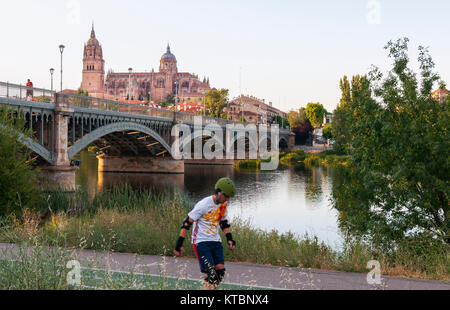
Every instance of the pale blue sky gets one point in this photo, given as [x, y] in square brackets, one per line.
[290, 52]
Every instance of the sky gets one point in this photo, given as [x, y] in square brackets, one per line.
[286, 52]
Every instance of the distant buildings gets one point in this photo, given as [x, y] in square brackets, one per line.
[153, 88]
[327, 119]
[440, 95]
[253, 110]
[189, 107]
[148, 86]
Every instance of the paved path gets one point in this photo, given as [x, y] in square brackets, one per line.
[240, 275]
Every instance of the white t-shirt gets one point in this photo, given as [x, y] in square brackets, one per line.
[207, 217]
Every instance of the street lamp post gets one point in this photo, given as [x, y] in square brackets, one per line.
[51, 88]
[176, 92]
[204, 105]
[129, 84]
[61, 49]
[243, 114]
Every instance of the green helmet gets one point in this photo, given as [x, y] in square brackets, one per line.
[226, 187]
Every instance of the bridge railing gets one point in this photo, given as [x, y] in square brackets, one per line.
[112, 105]
[22, 92]
[117, 106]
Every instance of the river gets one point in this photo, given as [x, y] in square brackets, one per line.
[291, 199]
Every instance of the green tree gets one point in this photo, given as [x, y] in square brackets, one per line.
[283, 122]
[327, 132]
[400, 140]
[215, 103]
[315, 113]
[17, 178]
[82, 92]
[297, 118]
[170, 99]
[343, 114]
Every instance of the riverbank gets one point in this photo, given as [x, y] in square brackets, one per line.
[300, 158]
[142, 222]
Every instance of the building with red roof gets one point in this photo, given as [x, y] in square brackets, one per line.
[440, 95]
[189, 107]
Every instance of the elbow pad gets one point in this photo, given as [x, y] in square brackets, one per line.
[186, 224]
[224, 225]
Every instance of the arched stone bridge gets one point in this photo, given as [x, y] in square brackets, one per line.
[128, 138]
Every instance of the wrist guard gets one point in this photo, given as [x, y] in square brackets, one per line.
[230, 238]
[179, 244]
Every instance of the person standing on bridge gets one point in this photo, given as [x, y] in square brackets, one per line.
[29, 89]
[207, 216]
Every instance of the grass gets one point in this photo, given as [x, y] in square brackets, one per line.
[325, 158]
[31, 265]
[328, 159]
[36, 268]
[299, 158]
[143, 222]
[251, 164]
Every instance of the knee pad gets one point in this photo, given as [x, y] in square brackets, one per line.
[221, 274]
[212, 276]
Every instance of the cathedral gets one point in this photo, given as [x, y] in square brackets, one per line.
[145, 86]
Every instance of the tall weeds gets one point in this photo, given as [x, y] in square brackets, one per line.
[145, 222]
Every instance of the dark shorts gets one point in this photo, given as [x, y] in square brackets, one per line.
[209, 254]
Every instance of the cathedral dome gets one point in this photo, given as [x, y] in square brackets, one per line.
[168, 55]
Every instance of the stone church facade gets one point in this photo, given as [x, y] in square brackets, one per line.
[152, 86]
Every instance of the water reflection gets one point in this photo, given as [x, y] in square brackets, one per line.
[91, 179]
[145, 181]
[200, 179]
[296, 200]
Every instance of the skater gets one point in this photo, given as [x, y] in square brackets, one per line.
[207, 216]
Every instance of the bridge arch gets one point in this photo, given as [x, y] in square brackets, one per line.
[235, 139]
[38, 149]
[284, 143]
[116, 127]
[190, 141]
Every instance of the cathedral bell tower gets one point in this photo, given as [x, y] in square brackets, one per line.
[93, 80]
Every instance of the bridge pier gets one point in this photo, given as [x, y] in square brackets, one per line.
[59, 177]
[61, 174]
[291, 140]
[127, 164]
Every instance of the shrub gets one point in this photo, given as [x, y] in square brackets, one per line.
[248, 164]
[17, 178]
[294, 158]
[312, 160]
[328, 132]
